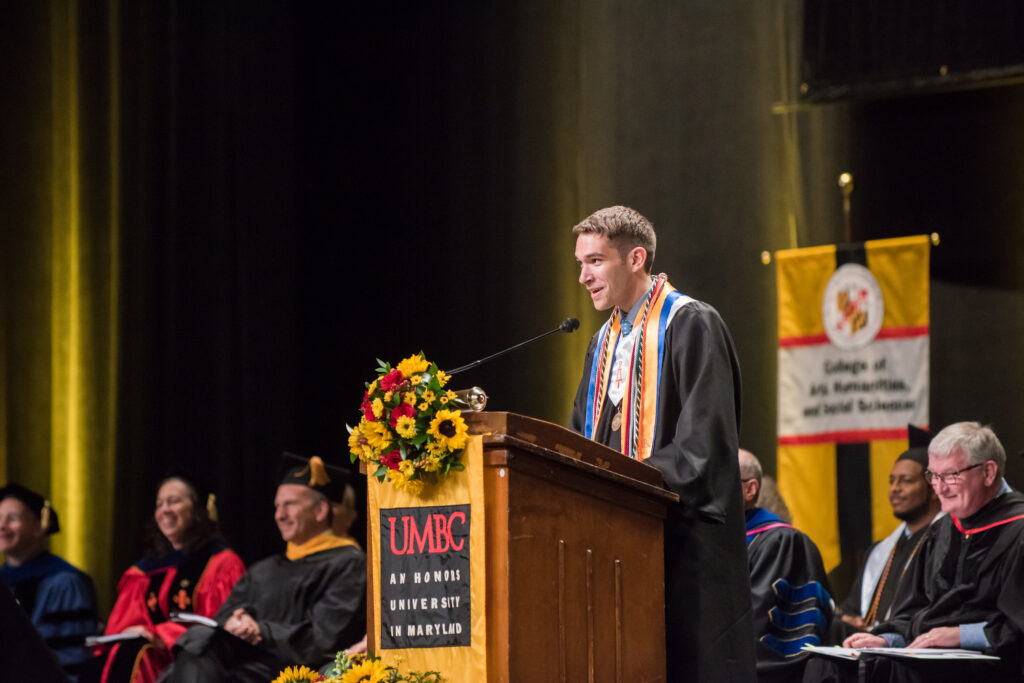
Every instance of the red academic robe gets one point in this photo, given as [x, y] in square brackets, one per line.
[154, 588]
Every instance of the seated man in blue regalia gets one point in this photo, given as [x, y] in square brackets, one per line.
[789, 587]
[58, 597]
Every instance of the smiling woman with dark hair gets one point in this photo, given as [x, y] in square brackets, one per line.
[187, 568]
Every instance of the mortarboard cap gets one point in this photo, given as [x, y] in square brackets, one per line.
[918, 440]
[314, 473]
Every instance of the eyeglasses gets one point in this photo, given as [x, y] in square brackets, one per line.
[948, 478]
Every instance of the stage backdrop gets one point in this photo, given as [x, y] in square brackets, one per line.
[853, 372]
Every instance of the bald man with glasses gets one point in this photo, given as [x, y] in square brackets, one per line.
[966, 581]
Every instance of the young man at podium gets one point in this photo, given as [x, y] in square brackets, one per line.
[661, 384]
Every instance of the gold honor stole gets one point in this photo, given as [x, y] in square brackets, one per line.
[643, 383]
[426, 566]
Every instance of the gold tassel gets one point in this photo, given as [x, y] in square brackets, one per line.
[317, 471]
[44, 517]
[211, 507]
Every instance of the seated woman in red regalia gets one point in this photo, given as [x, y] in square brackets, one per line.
[187, 568]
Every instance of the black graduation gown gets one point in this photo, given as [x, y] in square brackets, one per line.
[708, 626]
[307, 609]
[963, 579]
[957, 579]
[792, 601]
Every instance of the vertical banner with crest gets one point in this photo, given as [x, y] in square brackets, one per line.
[428, 565]
[853, 372]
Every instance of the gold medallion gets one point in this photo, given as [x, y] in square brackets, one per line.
[617, 421]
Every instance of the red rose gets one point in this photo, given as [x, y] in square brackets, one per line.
[391, 460]
[401, 410]
[391, 380]
[367, 408]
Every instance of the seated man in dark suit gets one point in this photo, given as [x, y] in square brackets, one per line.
[294, 609]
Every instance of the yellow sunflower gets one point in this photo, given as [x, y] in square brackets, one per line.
[377, 435]
[443, 377]
[403, 483]
[449, 430]
[413, 365]
[423, 407]
[428, 396]
[451, 395]
[408, 469]
[358, 444]
[297, 674]
[409, 397]
[406, 427]
[432, 463]
[443, 400]
[416, 379]
[435, 449]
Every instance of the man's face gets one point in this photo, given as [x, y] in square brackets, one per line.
[299, 517]
[909, 493]
[610, 279]
[21, 533]
[971, 491]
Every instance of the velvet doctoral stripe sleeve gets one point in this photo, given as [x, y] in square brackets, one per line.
[698, 413]
[66, 614]
[792, 604]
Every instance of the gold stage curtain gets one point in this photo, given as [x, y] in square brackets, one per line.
[58, 344]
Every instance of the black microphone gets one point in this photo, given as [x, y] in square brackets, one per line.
[568, 325]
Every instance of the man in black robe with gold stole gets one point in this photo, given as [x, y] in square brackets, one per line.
[294, 609]
[661, 383]
[966, 578]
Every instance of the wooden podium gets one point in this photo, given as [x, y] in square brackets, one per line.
[574, 556]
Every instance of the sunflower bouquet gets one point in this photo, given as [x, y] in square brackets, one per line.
[357, 668]
[411, 431]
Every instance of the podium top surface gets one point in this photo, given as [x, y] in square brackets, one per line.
[557, 442]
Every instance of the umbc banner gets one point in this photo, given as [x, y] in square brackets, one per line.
[424, 576]
[429, 573]
[853, 372]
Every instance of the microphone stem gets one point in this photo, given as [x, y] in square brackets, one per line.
[475, 363]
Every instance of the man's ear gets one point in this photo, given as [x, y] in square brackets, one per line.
[322, 508]
[991, 472]
[756, 492]
[637, 257]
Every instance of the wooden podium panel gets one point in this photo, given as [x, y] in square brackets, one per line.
[575, 560]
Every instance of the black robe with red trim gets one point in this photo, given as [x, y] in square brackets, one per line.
[956, 578]
[962, 578]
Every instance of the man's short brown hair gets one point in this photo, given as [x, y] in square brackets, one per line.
[624, 227]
